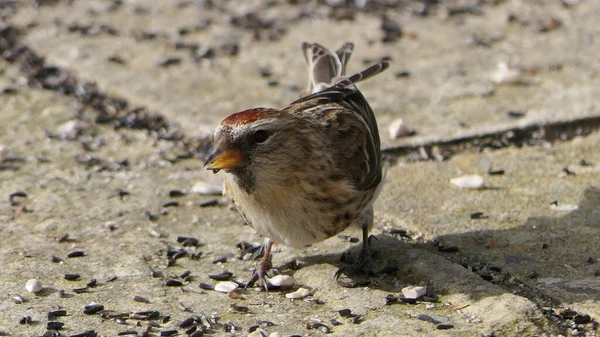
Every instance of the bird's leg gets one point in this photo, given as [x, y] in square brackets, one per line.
[362, 266]
[264, 266]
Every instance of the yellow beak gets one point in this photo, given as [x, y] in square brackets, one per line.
[224, 160]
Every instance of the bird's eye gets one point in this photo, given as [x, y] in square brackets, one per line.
[260, 136]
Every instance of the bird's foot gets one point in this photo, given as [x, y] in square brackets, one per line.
[260, 275]
[358, 273]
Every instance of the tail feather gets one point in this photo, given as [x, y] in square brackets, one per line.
[325, 67]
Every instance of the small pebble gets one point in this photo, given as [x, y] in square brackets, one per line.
[33, 286]
[69, 130]
[414, 292]
[225, 287]
[205, 188]
[468, 182]
[398, 129]
[282, 281]
[506, 75]
[301, 292]
[3, 153]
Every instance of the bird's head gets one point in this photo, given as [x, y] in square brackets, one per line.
[260, 140]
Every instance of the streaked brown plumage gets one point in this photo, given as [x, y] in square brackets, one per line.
[304, 173]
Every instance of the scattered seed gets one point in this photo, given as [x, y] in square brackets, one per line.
[140, 299]
[33, 286]
[221, 259]
[188, 241]
[335, 322]
[282, 281]
[18, 194]
[56, 313]
[170, 61]
[171, 204]
[346, 313]
[584, 162]
[61, 293]
[91, 309]
[25, 320]
[54, 325]
[62, 237]
[205, 188]
[515, 113]
[444, 326]
[414, 292]
[238, 308]
[320, 326]
[77, 253]
[206, 286]
[209, 203]
[176, 193]
[301, 292]
[544, 245]
[93, 282]
[477, 215]
[582, 319]
[18, 299]
[225, 287]
[169, 332]
[469, 182]
[72, 277]
[173, 283]
[188, 322]
[87, 333]
[496, 172]
[402, 73]
[128, 332]
[548, 25]
[224, 276]
[80, 290]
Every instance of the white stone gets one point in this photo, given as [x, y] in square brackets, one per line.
[33, 286]
[69, 130]
[414, 292]
[398, 129]
[205, 188]
[3, 153]
[506, 75]
[282, 281]
[470, 181]
[301, 292]
[225, 287]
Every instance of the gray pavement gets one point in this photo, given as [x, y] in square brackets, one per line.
[519, 257]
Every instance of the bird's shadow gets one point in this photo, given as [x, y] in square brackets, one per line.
[507, 253]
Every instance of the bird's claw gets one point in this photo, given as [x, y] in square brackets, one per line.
[260, 275]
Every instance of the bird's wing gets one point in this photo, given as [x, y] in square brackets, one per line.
[349, 118]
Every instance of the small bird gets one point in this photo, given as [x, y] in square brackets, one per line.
[304, 173]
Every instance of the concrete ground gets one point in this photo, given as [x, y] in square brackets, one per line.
[106, 112]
